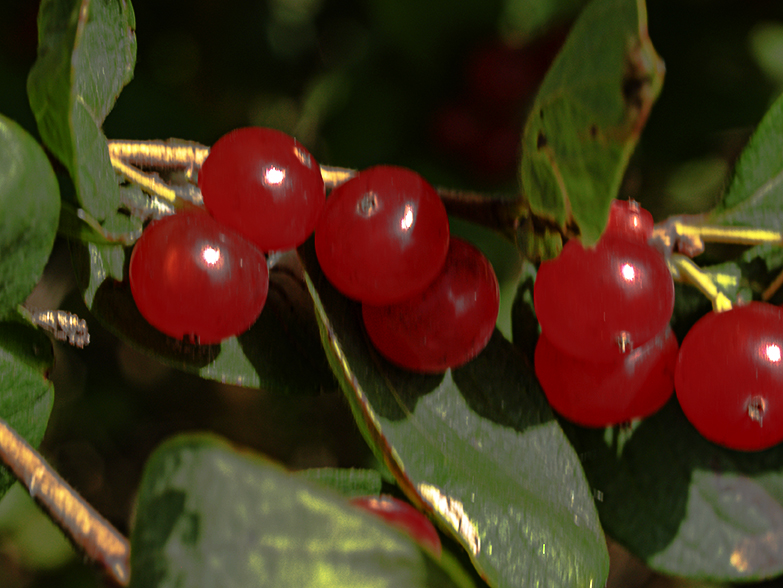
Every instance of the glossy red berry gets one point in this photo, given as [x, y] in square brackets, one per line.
[445, 326]
[599, 303]
[191, 277]
[264, 185]
[600, 394]
[403, 516]
[629, 220]
[383, 235]
[729, 376]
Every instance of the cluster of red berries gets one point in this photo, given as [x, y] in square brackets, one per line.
[429, 302]
[606, 353]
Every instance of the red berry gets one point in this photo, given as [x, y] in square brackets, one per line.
[383, 235]
[191, 277]
[729, 376]
[598, 303]
[627, 219]
[403, 516]
[600, 394]
[265, 186]
[445, 326]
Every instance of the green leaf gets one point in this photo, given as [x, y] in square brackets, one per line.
[208, 516]
[755, 194]
[477, 446]
[26, 395]
[527, 18]
[588, 115]
[281, 352]
[29, 208]
[86, 54]
[684, 505]
[349, 482]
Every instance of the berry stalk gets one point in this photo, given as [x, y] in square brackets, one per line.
[685, 270]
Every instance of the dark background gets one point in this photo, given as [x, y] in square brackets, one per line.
[436, 85]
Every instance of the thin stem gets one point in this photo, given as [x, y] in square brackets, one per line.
[148, 182]
[171, 154]
[88, 530]
[496, 211]
[684, 269]
[735, 235]
[687, 235]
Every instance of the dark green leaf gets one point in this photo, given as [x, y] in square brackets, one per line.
[685, 506]
[477, 446]
[29, 207]
[209, 516]
[280, 352]
[86, 54]
[349, 482]
[528, 18]
[26, 395]
[588, 115]
[755, 194]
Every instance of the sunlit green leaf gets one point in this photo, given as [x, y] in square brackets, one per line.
[477, 446]
[208, 515]
[349, 482]
[588, 115]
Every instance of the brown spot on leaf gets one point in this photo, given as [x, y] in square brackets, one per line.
[593, 131]
[541, 141]
[633, 89]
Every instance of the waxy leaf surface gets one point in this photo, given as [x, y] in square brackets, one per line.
[477, 447]
[208, 515]
[86, 54]
[682, 504]
[29, 210]
[588, 115]
[348, 482]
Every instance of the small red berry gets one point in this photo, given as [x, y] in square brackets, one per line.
[600, 394]
[383, 235]
[191, 277]
[627, 219]
[445, 326]
[264, 185]
[403, 516]
[729, 376]
[599, 303]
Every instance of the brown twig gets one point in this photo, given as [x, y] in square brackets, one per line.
[82, 524]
